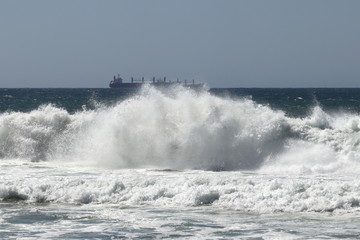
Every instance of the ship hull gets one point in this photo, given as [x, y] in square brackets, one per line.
[156, 84]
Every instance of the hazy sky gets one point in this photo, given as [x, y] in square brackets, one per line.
[225, 43]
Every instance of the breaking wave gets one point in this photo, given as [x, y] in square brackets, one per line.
[183, 129]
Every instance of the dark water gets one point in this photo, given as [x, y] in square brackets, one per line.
[72, 100]
[295, 102]
[298, 102]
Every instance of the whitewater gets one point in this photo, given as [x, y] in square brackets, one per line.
[176, 163]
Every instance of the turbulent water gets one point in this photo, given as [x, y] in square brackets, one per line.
[176, 163]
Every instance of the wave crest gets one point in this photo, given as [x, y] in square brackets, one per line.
[183, 129]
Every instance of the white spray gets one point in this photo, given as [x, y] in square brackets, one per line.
[183, 129]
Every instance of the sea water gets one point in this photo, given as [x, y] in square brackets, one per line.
[179, 164]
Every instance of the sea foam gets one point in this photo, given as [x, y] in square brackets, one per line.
[222, 190]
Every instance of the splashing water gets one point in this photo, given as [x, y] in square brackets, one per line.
[183, 129]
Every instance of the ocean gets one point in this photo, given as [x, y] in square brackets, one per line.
[179, 164]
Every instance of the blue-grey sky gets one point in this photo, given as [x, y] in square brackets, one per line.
[225, 43]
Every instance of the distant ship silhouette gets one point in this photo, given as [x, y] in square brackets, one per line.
[118, 82]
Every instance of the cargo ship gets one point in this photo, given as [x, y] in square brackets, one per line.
[118, 82]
